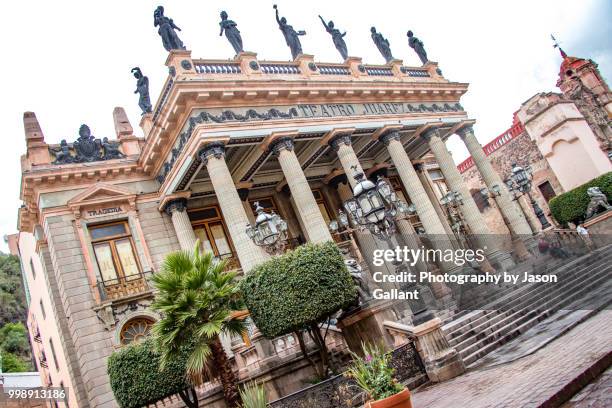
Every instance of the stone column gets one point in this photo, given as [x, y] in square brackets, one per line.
[177, 209]
[213, 157]
[517, 222]
[476, 223]
[307, 209]
[341, 144]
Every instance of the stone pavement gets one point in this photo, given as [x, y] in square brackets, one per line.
[598, 394]
[529, 381]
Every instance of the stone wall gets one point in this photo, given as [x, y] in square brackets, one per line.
[92, 343]
[158, 232]
[523, 151]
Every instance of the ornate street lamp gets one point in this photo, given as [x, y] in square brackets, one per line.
[520, 184]
[374, 207]
[452, 201]
[269, 232]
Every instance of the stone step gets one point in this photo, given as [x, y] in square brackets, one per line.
[477, 317]
[545, 300]
[527, 300]
[465, 317]
[519, 326]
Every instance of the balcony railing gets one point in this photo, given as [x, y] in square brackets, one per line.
[43, 361]
[37, 337]
[124, 286]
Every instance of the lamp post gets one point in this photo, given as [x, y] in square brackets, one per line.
[520, 184]
[375, 208]
[269, 231]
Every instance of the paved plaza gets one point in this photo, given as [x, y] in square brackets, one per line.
[532, 380]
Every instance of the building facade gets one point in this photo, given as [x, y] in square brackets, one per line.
[99, 216]
[565, 138]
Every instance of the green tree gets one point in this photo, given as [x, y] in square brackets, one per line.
[14, 339]
[198, 299]
[12, 295]
[298, 290]
[137, 379]
[12, 363]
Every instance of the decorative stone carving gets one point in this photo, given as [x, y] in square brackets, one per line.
[417, 46]
[62, 154]
[337, 37]
[291, 36]
[594, 112]
[344, 139]
[170, 39]
[172, 71]
[216, 149]
[106, 316]
[111, 150]
[382, 44]
[254, 65]
[363, 290]
[86, 149]
[186, 64]
[231, 32]
[180, 205]
[598, 201]
[386, 138]
[312, 66]
[283, 143]
[142, 88]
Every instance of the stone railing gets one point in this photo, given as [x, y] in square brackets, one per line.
[341, 392]
[217, 68]
[329, 69]
[277, 68]
[121, 287]
[378, 70]
[415, 72]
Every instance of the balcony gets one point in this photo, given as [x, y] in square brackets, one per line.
[43, 360]
[124, 286]
[37, 337]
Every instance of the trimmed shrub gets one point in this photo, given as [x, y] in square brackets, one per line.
[571, 206]
[298, 289]
[136, 379]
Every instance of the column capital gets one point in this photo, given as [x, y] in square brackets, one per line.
[216, 149]
[340, 139]
[282, 143]
[386, 138]
[428, 130]
[466, 127]
[178, 204]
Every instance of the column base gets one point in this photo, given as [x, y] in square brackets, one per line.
[366, 325]
[441, 361]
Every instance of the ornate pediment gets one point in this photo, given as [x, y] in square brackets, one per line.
[101, 194]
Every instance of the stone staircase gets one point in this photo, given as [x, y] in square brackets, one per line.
[476, 333]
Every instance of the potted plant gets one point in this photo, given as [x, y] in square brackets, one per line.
[373, 375]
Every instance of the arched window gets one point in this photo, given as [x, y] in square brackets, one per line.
[135, 330]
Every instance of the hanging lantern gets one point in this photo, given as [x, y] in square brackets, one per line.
[270, 230]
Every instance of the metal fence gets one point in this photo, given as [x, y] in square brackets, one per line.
[342, 392]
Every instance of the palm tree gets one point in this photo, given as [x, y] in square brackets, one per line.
[198, 299]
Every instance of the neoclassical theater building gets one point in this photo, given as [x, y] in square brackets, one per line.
[100, 215]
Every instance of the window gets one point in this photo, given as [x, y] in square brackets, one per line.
[114, 251]
[136, 330]
[42, 309]
[53, 354]
[548, 192]
[209, 228]
[32, 268]
[322, 206]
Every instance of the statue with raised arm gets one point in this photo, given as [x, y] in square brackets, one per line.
[142, 88]
[231, 32]
[291, 36]
[417, 46]
[166, 31]
[382, 44]
[337, 36]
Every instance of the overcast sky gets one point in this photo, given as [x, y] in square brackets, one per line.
[70, 61]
